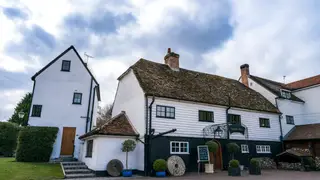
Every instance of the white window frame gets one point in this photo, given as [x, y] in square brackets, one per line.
[285, 93]
[180, 142]
[263, 149]
[244, 148]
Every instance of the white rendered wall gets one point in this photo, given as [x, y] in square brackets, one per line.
[130, 98]
[54, 91]
[263, 91]
[106, 148]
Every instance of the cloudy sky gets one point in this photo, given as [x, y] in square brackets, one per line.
[275, 38]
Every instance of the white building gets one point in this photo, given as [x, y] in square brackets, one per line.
[180, 109]
[65, 95]
[298, 102]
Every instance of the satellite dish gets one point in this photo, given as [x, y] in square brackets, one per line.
[114, 167]
[176, 166]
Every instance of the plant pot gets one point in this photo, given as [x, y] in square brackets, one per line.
[255, 170]
[127, 173]
[208, 168]
[161, 174]
[234, 171]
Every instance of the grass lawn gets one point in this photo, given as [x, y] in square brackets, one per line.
[9, 169]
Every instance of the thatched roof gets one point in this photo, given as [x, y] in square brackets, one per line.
[161, 81]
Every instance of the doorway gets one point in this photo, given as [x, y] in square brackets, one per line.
[67, 144]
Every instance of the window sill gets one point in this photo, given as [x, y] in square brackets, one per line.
[35, 116]
[165, 117]
[88, 156]
[65, 70]
[206, 121]
[179, 153]
[264, 127]
[263, 152]
[76, 103]
[245, 152]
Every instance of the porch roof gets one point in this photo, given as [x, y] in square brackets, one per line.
[304, 132]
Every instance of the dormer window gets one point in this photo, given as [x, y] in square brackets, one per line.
[285, 94]
[65, 65]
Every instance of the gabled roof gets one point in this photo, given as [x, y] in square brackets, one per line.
[161, 81]
[274, 87]
[304, 132]
[60, 55]
[311, 81]
[119, 125]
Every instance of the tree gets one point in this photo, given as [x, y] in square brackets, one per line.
[23, 106]
[128, 146]
[233, 148]
[104, 114]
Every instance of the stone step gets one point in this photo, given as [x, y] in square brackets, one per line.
[80, 175]
[75, 167]
[73, 163]
[77, 171]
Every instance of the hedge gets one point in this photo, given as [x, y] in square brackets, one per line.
[8, 138]
[35, 144]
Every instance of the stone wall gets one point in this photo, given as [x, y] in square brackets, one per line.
[290, 166]
[267, 163]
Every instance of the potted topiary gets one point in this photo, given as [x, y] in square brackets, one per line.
[128, 146]
[212, 147]
[160, 166]
[234, 168]
[232, 149]
[255, 167]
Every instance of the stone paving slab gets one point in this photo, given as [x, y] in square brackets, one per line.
[266, 175]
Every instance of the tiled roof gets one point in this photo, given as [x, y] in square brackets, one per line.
[119, 125]
[304, 132]
[304, 83]
[297, 152]
[161, 81]
[274, 87]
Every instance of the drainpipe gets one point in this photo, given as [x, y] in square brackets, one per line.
[92, 108]
[146, 140]
[89, 102]
[227, 118]
[149, 135]
[281, 132]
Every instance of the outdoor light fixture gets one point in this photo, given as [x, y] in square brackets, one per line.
[21, 114]
[218, 132]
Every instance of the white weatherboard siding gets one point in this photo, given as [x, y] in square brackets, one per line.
[311, 110]
[291, 108]
[106, 148]
[54, 91]
[187, 120]
[263, 91]
[130, 98]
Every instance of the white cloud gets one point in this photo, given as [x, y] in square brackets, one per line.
[275, 39]
[9, 98]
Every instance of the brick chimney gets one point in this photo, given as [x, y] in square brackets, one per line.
[172, 60]
[245, 74]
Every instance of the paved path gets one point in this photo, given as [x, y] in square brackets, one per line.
[266, 175]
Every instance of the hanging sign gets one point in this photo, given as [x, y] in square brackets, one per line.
[203, 153]
[237, 128]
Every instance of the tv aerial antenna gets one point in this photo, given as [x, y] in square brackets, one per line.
[87, 57]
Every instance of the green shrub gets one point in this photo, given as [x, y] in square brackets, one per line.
[255, 162]
[8, 138]
[234, 163]
[212, 146]
[160, 165]
[35, 144]
[309, 163]
[232, 149]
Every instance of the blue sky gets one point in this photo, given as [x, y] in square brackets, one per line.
[274, 38]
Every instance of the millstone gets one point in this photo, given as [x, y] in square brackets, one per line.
[114, 167]
[176, 166]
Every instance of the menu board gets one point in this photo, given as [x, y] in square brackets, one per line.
[203, 153]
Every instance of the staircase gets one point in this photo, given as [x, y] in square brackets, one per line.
[76, 169]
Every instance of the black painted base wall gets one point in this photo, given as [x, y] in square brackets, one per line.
[105, 173]
[161, 149]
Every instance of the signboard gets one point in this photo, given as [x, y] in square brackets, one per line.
[237, 128]
[203, 153]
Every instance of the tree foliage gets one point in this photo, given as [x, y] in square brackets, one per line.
[8, 138]
[212, 146]
[233, 148]
[23, 106]
[128, 146]
[104, 114]
[35, 144]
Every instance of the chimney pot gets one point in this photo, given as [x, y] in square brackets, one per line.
[245, 73]
[172, 60]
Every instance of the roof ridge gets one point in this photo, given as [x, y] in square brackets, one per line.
[142, 59]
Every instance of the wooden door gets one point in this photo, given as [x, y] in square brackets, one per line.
[67, 143]
[218, 159]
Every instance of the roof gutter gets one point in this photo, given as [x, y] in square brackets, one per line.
[94, 95]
